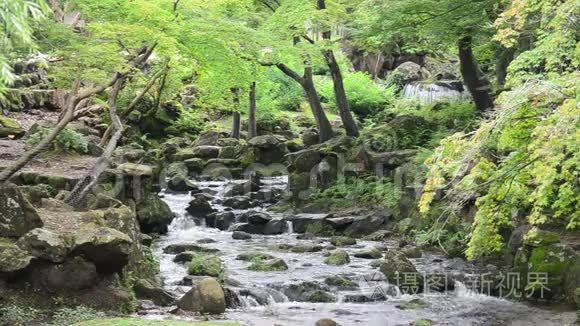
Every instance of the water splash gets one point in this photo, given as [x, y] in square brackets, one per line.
[435, 92]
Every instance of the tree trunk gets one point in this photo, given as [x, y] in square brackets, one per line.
[236, 118]
[476, 83]
[324, 128]
[252, 124]
[504, 58]
[85, 185]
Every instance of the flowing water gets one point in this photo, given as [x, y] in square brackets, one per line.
[261, 293]
[428, 93]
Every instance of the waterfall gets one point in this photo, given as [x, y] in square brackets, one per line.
[437, 91]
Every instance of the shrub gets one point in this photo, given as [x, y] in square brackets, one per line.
[369, 190]
[68, 140]
[70, 316]
[16, 315]
[269, 121]
[365, 97]
[189, 121]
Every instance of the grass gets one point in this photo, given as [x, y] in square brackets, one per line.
[143, 322]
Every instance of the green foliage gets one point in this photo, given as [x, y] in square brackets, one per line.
[16, 19]
[190, 121]
[364, 96]
[259, 264]
[277, 91]
[17, 315]
[69, 140]
[369, 191]
[69, 316]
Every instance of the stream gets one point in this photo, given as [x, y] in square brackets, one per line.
[261, 294]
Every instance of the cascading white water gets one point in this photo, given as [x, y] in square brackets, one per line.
[435, 92]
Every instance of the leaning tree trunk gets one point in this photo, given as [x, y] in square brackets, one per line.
[85, 185]
[324, 128]
[473, 78]
[339, 91]
[69, 114]
[252, 124]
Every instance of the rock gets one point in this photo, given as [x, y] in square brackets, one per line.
[248, 256]
[298, 185]
[326, 322]
[145, 290]
[271, 265]
[179, 248]
[34, 194]
[304, 248]
[180, 183]
[337, 257]
[73, 275]
[312, 223]
[309, 137]
[194, 164]
[184, 257]
[412, 252]
[395, 265]
[154, 215]
[380, 235]
[199, 207]
[205, 265]
[45, 244]
[232, 299]
[413, 304]
[341, 241]
[365, 225]
[407, 72]
[239, 202]
[369, 254]
[263, 296]
[254, 217]
[341, 283]
[275, 226]
[363, 298]
[184, 154]
[222, 221]
[106, 247]
[135, 170]
[308, 292]
[145, 239]
[10, 128]
[208, 138]
[240, 235]
[17, 216]
[304, 160]
[12, 258]
[538, 238]
[206, 152]
[102, 201]
[268, 149]
[206, 297]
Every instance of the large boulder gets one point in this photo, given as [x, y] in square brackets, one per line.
[221, 220]
[206, 152]
[400, 271]
[45, 244]
[337, 257]
[200, 206]
[308, 292]
[154, 215]
[206, 297]
[147, 291]
[205, 265]
[240, 202]
[208, 138]
[17, 216]
[73, 275]
[10, 128]
[365, 225]
[12, 258]
[304, 160]
[408, 72]
[106, 247]
[268, 149]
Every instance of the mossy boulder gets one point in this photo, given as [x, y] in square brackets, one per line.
[17, 215]
[395, 265]
[340, 282]
[268, 149]
[144, 289]
[249, 256]
[10, 128]
[308, 292]
[12, 258]
[337, 257]
[106, 247]
[205, 265]
[536, 237]
[205, 297]
[73, 275]
[304, 160]
[45, 244]
[260, 264]
[341, 241]
[553, 262]
[373, 253]
[154, 215]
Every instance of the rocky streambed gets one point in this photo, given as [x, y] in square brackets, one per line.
[275, 271]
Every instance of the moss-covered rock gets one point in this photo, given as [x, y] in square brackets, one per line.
[268, 265]
[154, 215]
[395, 265]
[248, 256]
[341, 241]
[337, 257]
[17, 215]
[45, 244]
[106, 247]
[144, 289]
[10, 128]
[12, 258]
[205, 297]
[205, 265]
[536, 237]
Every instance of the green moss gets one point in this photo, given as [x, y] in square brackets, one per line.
[320, 229]
[337, 257]
[536, 237]
[259, 264]
[205, 265]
